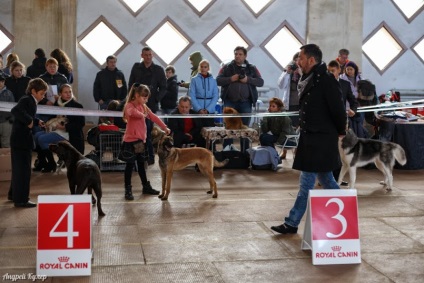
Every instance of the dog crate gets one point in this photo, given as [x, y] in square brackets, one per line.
[109, 146]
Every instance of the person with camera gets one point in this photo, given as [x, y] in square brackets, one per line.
[287, 82]
[239, 80]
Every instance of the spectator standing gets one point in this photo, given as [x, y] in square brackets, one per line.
[110, 84]
[38, 66]
[204, 93]
[17, 83]
[343, 58]
[152, 75]
[322, 121]
[1, 67]
[194, 59]
[356, 122]
[22, 142]
[287, 82]
[64, 64]
[169, 101]
[238, 80]
[6, 118]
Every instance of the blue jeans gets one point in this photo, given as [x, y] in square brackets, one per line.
[43, 139]
[307, 182]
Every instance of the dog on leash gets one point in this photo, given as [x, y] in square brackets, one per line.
[172, 159]
[51, 125]
[82, 172]
[357, 152]
[233, 123]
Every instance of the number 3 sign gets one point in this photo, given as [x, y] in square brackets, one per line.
[331, 228]
[64, 235]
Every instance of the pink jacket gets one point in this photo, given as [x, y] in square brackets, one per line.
[136, 124]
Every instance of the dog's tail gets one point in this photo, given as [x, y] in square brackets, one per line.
[400, 155]
[217, 163]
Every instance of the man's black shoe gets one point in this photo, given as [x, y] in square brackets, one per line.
[25, 204]
[343, 183]
[285, 229]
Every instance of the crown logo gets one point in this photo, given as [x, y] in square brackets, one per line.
[336, 248]
[63, 258]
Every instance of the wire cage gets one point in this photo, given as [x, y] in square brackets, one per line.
[110, 144]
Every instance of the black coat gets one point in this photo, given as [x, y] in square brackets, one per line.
[23, 113]
[110, 85]
[322, 118]
[176, 125]
[17, 86]
[154, 77]
[169, 101]
[347, 94]
[75, 127]
[37, 68]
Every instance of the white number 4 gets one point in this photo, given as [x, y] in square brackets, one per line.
[338, 217]
[70, 233]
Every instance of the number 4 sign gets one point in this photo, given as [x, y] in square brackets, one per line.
[331, 228]
[64, 235]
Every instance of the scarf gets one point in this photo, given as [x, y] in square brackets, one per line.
[303, 82]
[62, 103]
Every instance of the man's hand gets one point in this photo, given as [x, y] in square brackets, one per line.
[235, 78]
[350, 113]
[244, 80]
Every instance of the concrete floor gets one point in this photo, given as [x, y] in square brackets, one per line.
[194, 238]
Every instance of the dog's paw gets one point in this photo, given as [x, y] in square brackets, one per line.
[160, 196]
[164, 198]
[215, 196]
[102, 214]
[209, 192]
[382, 183]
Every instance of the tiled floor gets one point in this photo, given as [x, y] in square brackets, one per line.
[194, 238]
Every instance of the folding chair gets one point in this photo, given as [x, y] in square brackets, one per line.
[294, 139]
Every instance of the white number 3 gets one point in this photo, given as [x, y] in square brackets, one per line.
[338, 216]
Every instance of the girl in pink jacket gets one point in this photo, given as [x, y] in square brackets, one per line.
[135, 114]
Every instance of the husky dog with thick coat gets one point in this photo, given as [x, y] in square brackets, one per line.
[357, 152]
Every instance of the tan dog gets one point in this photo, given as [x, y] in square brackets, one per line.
[172, 159]
[157, 135]
[51, 125]
[233, 123]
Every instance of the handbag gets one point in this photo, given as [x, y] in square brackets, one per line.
[129, 150]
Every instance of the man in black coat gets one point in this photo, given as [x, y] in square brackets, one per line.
[22, 143]
[347, 95]
[322, 120]
[152, 75]
[110, 84]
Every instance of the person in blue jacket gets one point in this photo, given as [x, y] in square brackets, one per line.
[203, 92]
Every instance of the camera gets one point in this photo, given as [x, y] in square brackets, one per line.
[293, 67]
[242, 74]
[180, 83]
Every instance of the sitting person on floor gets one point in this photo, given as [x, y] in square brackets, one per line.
[186, 130]
[274, 129]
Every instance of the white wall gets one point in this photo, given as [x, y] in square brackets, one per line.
[407, 72]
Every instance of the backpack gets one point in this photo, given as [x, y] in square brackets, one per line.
[264, 158]
[367, 96]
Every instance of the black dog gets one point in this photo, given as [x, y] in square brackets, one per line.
[82, 172]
